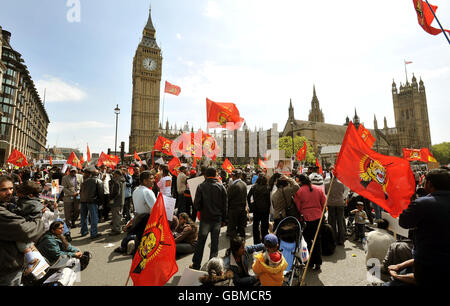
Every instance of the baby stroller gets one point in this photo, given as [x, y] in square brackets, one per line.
[289, 232]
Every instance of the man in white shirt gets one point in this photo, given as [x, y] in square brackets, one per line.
[143, 196]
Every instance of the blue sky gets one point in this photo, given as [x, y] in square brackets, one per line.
[258, 54]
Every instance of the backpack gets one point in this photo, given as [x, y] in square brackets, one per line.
[328, 241]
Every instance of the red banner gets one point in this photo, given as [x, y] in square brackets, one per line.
[427, 156]
[154, 262]
[172, 89]
[385, 180]
[413, 155]
[74, 161]
[425, 17]
[319, 165]
[228, 166]
[110, 161]
[17, 158]
[366, 136]
[219, 114]
[174, 166]
[301, 154]
[163, 145]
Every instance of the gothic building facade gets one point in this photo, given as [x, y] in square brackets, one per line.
[147, 70]
[411, 117]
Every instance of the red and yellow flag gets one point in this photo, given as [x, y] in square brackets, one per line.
[154, 262]
[17, 158]
[74, 161]
[174, 166]
[425, 16]
[136, 157]
[262, 164]
[219, 114]
[51, 161]
[110, 161]
[228, 166]
[172, 89]
[412, 154]
[366, 136]
[427, 156]
[385, 180]
[301, 154]
[163, 145]
[81, 160]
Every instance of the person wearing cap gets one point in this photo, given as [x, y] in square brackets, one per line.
[237, 205]
[360, 221]
[72, 184]
[270, 265]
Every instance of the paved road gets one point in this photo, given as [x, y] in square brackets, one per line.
[346, 267]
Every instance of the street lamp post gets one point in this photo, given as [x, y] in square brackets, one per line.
[117, 112]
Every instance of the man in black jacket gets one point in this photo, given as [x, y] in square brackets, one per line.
[91, 195]
[237, 205]
[430, 217]
[211, 202]
[13, 228]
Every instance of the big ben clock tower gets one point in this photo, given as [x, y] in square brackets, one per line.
[147, 64]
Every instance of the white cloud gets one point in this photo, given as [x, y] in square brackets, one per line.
[212, 10]
[179, 36]
[57, 127]
[57, 90]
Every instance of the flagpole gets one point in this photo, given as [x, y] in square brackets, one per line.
[443, 31]
[164, 102]
[126, 284]
[317, 232]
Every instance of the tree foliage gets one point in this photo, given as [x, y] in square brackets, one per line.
[442, 152]
[285, 143]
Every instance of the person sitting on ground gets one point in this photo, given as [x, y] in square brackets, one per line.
[53, 244]
[30, 207]
[186, 235]
[398, 252]
[216, 274]
[402, 274]
[378, 243]
[270, 265]
[239, 260]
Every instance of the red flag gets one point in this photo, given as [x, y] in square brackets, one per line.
[174, 166]
[385, 180]
[88, 154]
[413, 155]
[136, 157]
[262, 164]
[425, 17]
[74, 161]
[18, 159]
[427, 156]
[51, 161]
[131, 170]
[172, 89]
[301, 154]
[366, 136]
[219, 114]
[163, 145]
[81, 160]
[110, 161]
[319, 165]
[210, 147]
[154, 262]
[228, 166]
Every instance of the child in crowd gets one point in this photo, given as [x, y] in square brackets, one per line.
[29, 206]
[360, 221]
[270, 265]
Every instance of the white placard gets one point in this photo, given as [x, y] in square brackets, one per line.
[393, 225]
[193, 185]
[169, 204]
[190, 277]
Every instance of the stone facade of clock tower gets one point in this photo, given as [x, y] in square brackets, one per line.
[147, 70]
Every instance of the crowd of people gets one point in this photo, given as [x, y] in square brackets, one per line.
[31, 226]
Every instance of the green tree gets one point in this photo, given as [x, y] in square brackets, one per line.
[285, 143]
[442, 152]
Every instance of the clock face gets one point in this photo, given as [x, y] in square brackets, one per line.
[150, 64]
